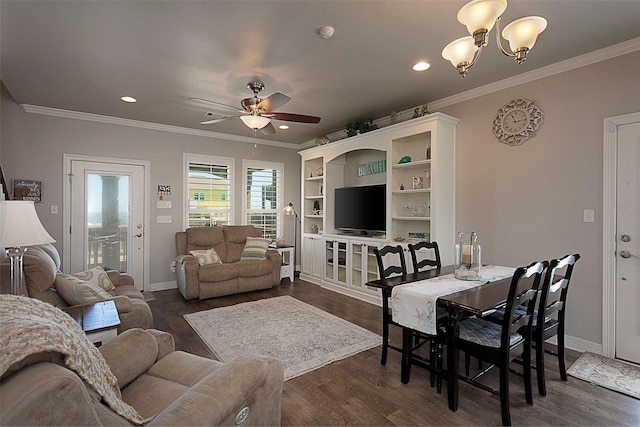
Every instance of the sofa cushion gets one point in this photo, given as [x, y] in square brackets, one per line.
[202, 238]
[76, 291]
[235, 237]
[96, 276]
[207, 256]
[255, 248]
[39, 271]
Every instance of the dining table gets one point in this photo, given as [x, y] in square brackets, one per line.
[416, 297]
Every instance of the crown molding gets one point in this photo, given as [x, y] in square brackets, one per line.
[594, 57]
[77, 115]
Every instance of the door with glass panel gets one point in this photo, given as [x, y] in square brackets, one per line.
[106, 219]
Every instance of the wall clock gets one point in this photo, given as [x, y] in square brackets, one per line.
[517, 121]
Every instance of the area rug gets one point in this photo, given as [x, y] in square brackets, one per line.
[301, 336]
[609, 373]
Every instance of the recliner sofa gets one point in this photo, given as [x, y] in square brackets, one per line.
[41, 265]
[233, 275]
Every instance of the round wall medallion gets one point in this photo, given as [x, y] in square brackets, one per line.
[517, 121]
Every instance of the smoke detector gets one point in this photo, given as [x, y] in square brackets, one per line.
[326, 32]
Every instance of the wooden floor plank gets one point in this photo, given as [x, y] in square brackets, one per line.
[360, 391]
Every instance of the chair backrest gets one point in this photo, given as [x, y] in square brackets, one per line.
[519, 294]
[549, 301]
[397, 267]
[431, 258]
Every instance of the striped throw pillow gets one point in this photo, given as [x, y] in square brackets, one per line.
[255, 248]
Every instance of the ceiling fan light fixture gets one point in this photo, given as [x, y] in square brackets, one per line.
[254, 121]
[479, 16]
[462, 53]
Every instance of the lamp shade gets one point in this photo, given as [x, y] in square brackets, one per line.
[481, 14]
[20, 225]
[460, 51]
[289, 210]
[254, 121]
[523, 33]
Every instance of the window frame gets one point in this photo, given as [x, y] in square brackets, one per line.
[227, 162]
[261, 164]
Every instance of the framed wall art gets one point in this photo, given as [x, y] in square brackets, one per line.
[27, 189]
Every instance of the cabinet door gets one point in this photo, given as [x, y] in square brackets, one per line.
[358, 252]
[318, 257]
[307, 255]
[335, 266]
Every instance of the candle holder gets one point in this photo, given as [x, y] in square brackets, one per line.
[468, 262]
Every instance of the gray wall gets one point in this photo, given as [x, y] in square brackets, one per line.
[33, 146]
[526, 202]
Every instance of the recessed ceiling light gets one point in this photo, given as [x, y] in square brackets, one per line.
[128, 99]
[421, 66]
[283, 127]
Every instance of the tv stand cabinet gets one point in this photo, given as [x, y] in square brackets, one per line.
[420, 197]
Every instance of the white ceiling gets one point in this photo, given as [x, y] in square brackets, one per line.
[83, 55]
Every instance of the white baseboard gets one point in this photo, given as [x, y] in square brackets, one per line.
[578, 344]
[163, 286]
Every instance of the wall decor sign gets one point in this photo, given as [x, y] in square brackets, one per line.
[27, 189]
[371, 168]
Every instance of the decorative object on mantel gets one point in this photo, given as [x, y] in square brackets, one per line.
[404, 159]
[467, 257]
[357, 127]
[517, 121]
[479, 16]
[322, 140]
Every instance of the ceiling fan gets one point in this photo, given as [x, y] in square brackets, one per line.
[257, 113]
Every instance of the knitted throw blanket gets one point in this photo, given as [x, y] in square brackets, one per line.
[31, 326]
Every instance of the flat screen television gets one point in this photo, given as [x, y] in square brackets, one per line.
[361, 210]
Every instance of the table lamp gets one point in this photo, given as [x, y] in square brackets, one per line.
[20, 227]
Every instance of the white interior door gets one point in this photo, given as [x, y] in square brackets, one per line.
[106, 219]
[628, 244]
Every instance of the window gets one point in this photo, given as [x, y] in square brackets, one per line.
[263, 196]
[208, 186]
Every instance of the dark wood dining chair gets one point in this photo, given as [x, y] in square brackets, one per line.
[430, 258]
[549, 318]
[500, 343]
[394, 255]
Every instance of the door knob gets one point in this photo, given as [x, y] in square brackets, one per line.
[627, 254]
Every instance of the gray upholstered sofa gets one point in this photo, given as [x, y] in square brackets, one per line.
[232, 275]
[41, 265]
[174, 387]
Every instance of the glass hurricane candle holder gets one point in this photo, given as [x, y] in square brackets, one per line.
[468, 263]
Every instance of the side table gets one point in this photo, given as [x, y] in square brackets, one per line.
[287, 270]
[99, 320]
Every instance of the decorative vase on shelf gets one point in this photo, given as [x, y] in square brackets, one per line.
[468, 263]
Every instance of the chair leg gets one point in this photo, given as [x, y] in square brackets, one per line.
[432, 360]
[385, 343]
[562, 361]
[526, 370]
[542, 388]
[467, 363]
[439, 356]
[504, 395]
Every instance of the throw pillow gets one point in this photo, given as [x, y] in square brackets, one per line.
[76, 291]
[96, 276]
[207, 256]
[255, 248]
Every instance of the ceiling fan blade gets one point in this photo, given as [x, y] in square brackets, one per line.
[274, 101]
[218, 104]
[300, 118]
[268, 129]
[217, 120]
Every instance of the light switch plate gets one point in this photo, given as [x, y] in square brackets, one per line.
[164, 219]
[164, 204]
[588, 215]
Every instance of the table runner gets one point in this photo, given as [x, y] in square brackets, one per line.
[414, 305]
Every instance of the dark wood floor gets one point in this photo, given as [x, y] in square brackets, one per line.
[360, 391]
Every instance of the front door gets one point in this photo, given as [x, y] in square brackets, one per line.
[628, 244]
[106, 217]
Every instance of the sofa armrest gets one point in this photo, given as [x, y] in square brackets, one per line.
[246, 382]
[274, 256]
[187, 276]
[130, 354]
[120, 279]
[123, 304]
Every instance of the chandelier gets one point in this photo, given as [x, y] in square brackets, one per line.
[479, 16]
